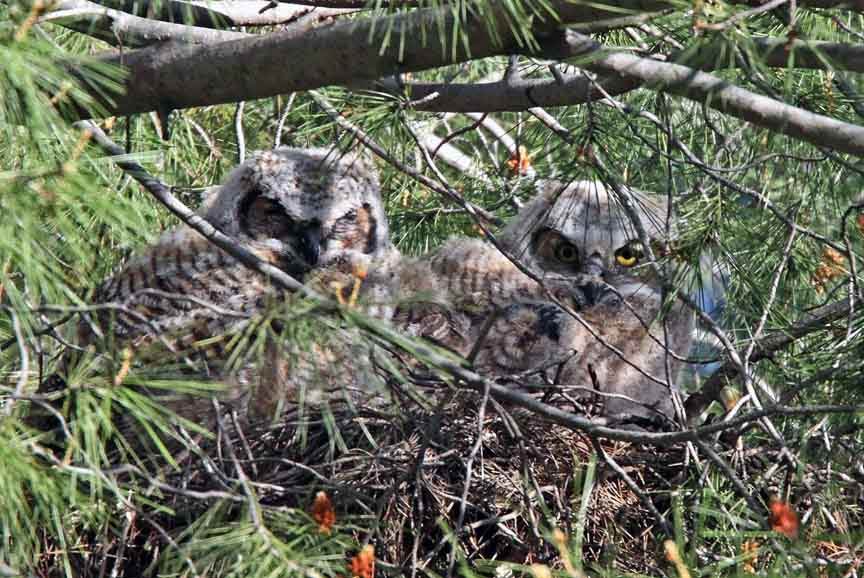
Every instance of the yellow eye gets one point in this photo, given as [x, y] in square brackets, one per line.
[625, 261]
[566, 253]
[627, 256]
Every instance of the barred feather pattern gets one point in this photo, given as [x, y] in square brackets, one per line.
[180, 303]
[578, 239]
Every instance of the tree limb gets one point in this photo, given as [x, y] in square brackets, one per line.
[177, 76]
[569, 90]
[716, 93]
[180, 76]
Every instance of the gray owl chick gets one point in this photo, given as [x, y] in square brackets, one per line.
[298, 209]
[581, 244]
[581, 230]
[315, 213]
[448, 294]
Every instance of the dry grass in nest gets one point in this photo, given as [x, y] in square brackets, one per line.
[404, 476]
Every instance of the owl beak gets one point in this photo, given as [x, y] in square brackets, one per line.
[310, 244]
[593, 291]
[595, 287]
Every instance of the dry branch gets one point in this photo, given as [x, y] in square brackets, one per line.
[169, 11]
[716, 93]
[365, 49]
[122, 29]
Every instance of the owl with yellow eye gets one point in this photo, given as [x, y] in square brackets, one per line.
[622, 349]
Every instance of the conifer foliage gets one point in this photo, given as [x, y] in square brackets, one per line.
[747, 115]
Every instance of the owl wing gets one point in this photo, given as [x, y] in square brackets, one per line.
[541, 344]
[182, 279]
[170, 314]
[522, 339]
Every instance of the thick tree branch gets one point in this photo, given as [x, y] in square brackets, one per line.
[569, 90]
[183, 76]
[365, 49]
[716, 93]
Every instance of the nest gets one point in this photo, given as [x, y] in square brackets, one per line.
[403, 477]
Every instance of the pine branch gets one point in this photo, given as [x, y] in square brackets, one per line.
[774, 342]
[716, 93]
[569, 90]
[175, 77]
[183, 76]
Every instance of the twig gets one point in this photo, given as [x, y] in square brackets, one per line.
[24, 361]
[469, 471]
[634, 487]
[735, 18]
[457, 133]
[477, 212]
[238, 131]
[282, 119]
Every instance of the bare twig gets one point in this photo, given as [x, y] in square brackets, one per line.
[478, 212]
[23, 359]
[634, 487]
[817, 320]
[238, 131]
[277, 141]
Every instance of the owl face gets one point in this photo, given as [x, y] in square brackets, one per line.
[312, 206]
[578, 231]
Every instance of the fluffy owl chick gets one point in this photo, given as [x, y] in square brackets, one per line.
[298, 209]
[311, 212]
[581, 231]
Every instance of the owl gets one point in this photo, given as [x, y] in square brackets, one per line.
[301, 210]
[580, 243]
[314, 213]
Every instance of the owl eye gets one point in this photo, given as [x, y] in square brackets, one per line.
[349, 218]
[263, 218]
[628, 255]
[566, 253]
[553, 246]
